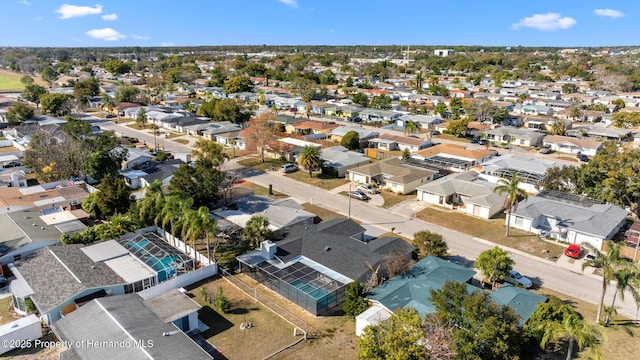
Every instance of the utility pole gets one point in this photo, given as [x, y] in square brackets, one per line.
[349, 195]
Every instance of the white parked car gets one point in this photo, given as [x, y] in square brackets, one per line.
[516, 279]
[366, 188]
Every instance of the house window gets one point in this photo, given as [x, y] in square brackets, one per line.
[518, 221]
[17, 257]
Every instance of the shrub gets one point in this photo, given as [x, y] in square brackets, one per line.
[221, 302]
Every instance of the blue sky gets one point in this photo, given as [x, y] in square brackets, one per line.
[324, 22]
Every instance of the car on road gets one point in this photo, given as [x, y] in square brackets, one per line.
[110, 116]
[367, 189]
[545, 149]
[482, 142]
[573, 251]
[582, 157]
[358, 195]
[518, 280]
[289, 168]
[474, 140]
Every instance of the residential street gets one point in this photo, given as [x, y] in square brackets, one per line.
[543, 272]
[549, 274]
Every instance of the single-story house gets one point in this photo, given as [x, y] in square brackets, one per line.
[338, 160]
[143, 329]
[466, 192]
[313, 265]
[515, 136]
[426, 122]
[529, 170]
[599, 131]
[364, 134]
[136, 157]
[146, 174]
[522, 301]
[571, 145]
[393, 174]
[306, 127]
[390, 142]
[532, 109]
[568, 218]
[282, 213]
[451, 157]
[375, 115]
[344, 111]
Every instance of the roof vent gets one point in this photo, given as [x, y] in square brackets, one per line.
[327, 248]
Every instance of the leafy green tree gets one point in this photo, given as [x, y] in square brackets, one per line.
[510, 187]
[439, 90]
[610, 262]
[221, 302]
[494, 264]
[569, 88]
[455, 105]
[235, 111]
[200, 182]
[114, 198]
[354, 303]
[360, 99]
[32, 93]
[382, 102]
[626, 278]
[209, 151]
[625, 119]
[49, 75]
[351, 140]
[575, 112]
[458, 127]
[440, 109]
[173, 206]
[310, 159]
[260, 132]
[429, 244]
[202, 224]
[20, 112]
[619, 103]
[127, 93]
[564, 179]
[55, 104]
[116, 226]
[141, 118]
[394, 338]
[26, 80]
[238, 84]
[83, 90]
[499, 114]
[105, 163]
[256, 230]
[116, 67]
[482, 329]
[327, 77]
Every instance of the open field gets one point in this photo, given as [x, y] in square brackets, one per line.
[10, 81]
[492, 230]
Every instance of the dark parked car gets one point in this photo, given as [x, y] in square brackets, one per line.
[475, 140]
[110, 116]
[582, 157]
[358, 195]
[482, 141]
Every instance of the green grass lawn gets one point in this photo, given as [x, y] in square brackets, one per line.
[322, 214]
[10, 81]
[492, 230]
[263, 191]
[256, 164]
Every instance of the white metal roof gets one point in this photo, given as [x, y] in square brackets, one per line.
[105, 251]
[130, 268]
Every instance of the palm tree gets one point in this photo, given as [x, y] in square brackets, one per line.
[609, 262]
[310, 158]
[514, 193]
[626, 278]
[155, 129]
[411, 127]
[233, 144]
[573, 328]
[174, 206]
[201, 224]
[256, 230]
[575, 112]
[558, 128]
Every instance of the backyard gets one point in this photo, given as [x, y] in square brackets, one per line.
[268, 332]
[492, 230]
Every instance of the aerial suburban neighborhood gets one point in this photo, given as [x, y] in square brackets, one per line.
[319, 201]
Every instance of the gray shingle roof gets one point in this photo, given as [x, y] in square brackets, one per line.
[347, 255]
[596, 219]
[124, 318]
[479, 191]
[57, 273]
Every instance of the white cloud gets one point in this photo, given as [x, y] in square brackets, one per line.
[110, 17]
[608, 13]
[545, 22]
[25, 2]
[167, 43]
[106, 34]
[139, 37]
[292, 3]
[67, 11]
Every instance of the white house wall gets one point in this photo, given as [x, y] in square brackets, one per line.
[428, 197]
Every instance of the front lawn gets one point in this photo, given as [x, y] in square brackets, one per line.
[5, 313]
[256, 164]
[318, 179]
[322, 214]
[391, 198]
[492, 230]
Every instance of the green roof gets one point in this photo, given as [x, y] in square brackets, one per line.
[522, 301]
[413, 288]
